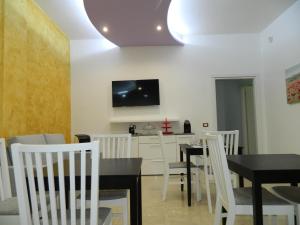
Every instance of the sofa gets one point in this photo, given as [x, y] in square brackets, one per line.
[36, 139]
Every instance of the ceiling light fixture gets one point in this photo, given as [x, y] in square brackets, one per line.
[158, 27]
[105, 29]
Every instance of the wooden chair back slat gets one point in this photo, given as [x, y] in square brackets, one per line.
[220, 167]
[53, 175]
[41, 188]
[5, 186]
[82, 187]
[114, 145]
[72, 187]
[53, 204]
[231, 140]
[33, 194]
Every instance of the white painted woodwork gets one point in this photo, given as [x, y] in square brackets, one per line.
[231, 144]
[116, 146]
[135, 147]
[168, 170]
[149, 149]
[30, 157]
[5, 186]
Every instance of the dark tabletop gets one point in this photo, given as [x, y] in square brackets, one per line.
[269, 167]
[267, 161]
[198, 150]
[128, 167]
[112, 167]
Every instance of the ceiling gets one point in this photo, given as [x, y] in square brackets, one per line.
[132, 22]
[185, 17]
[225, 16]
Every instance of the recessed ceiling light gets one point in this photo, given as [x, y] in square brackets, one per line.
[105, 29]
[158, 27]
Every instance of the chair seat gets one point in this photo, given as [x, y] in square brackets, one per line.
[9, 206]
[243, 196]
[104, 216]
[108, 194]
[177, 165]
[289, 192]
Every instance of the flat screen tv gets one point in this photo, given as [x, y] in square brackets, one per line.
[135, 93]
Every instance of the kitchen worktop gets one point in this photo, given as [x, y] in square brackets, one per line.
[154, 134]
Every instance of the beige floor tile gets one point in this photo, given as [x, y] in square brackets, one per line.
[174, 211]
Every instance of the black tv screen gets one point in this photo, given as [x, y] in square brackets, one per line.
[135, 92]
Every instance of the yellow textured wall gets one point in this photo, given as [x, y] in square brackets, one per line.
[1, 65]
[36, 78]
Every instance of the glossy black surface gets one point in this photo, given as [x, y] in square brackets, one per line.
[270, 168]
[135, 92]
[265, 162]
[114, 174]
[120, 167]
[260, 169]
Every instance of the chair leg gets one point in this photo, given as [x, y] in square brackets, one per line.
[125, 211]
[230, 217]
[208, 193]
[291, 218]
[165, 187]
[218, 212]
[197, 183]
[298, 214]
[273, 220]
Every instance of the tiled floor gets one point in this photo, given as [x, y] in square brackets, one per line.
[174, 211]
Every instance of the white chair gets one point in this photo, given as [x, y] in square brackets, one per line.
[9, 212]
[238, 201]
[231, 143]
[176, 168]
[115, 146]
[30, 157]
[290, 194]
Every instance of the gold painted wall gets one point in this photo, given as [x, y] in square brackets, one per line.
[1, 65]
[36, 77]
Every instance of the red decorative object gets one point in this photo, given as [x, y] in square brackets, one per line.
[166, 125]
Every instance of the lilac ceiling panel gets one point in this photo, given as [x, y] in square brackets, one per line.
[132, 22]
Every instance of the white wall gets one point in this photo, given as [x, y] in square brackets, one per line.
[283, 120]
[185, 75]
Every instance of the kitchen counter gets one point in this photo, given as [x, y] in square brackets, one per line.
[154, 134]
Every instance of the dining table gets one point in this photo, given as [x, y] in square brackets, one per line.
[265, 169]
[116, 173]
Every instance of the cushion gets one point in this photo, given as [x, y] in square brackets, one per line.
[243, 196]
[37, 139]
[9, 206]
[54, 138]
[108, 194]
[104, 216]
[34, 139]
[289, 192]
[175, 165]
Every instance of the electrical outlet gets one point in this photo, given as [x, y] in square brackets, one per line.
[204, 124]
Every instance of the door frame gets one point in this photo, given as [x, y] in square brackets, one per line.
[258, 105]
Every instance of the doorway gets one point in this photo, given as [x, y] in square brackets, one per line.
[236, 110]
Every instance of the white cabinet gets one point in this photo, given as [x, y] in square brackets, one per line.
[135, 147]
[149, 150]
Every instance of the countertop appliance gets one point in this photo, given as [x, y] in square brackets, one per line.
[131, 129]
[187, 127]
